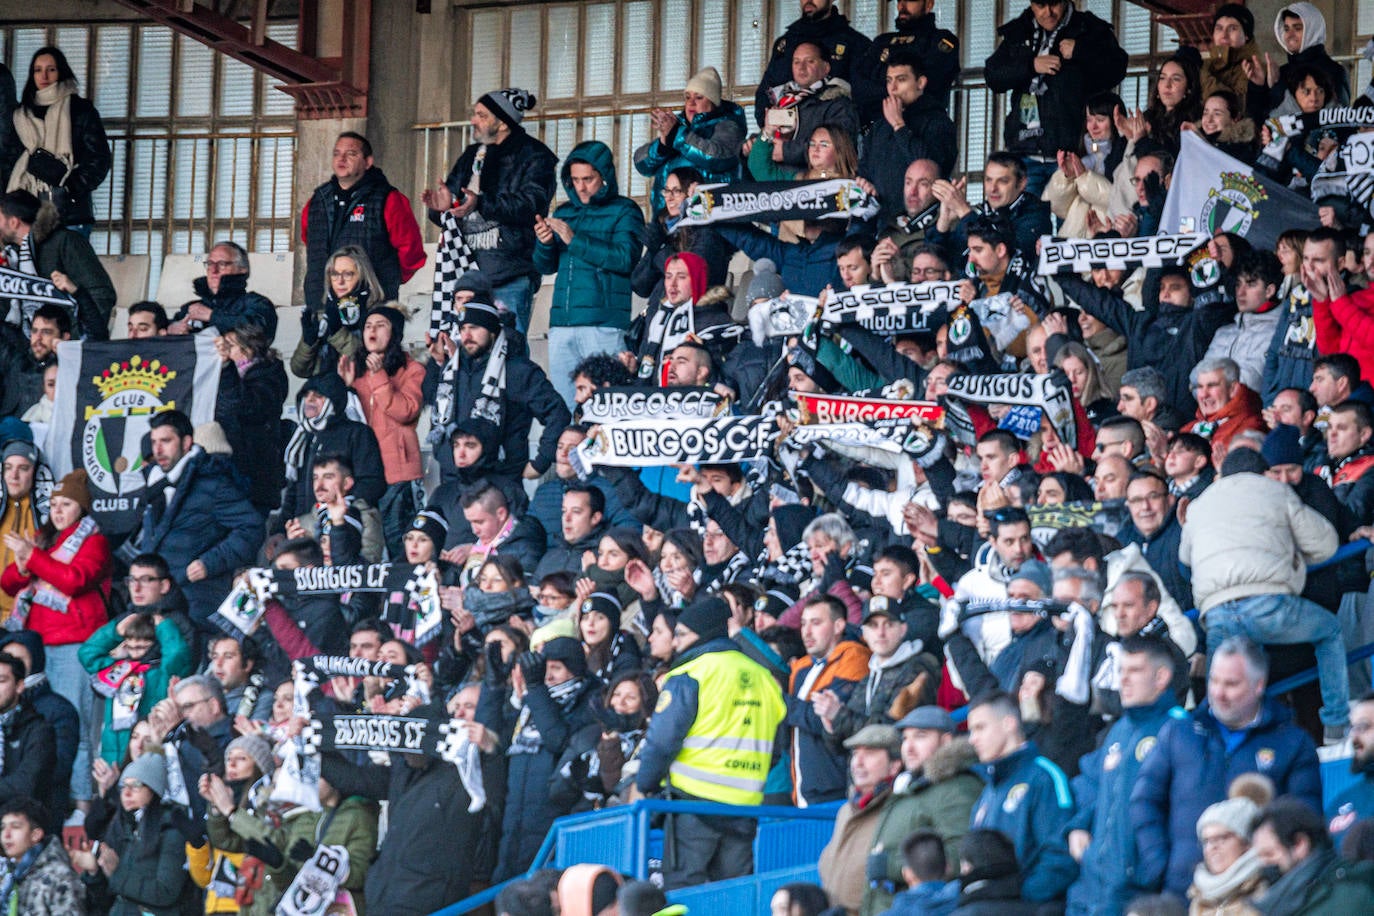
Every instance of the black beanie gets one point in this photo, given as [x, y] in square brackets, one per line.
[1243, 460]
[567, 650]
[474, 282]
[707, 618]
[791, 521]
[432, 524]
[1240, 14]
[480, 314]
[393, 315]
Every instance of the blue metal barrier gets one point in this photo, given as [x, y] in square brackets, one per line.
[622, 838]
[750, 894]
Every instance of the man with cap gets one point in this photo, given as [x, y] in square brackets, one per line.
[935, 791]
[827, 28]
[538, 715]
[498, 186]
[718, 750]
[358, 206]
[1100, 835]
[874, 761]
[902, 675]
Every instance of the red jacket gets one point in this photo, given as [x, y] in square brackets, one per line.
[1346, 325]
[86, 580]
[391, 404]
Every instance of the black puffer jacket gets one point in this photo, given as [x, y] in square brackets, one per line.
[90, 149]
[59, 249]
[249, 411]
[233, 305]
[21, 376]
[1098, 63]
[31, 760]
[425, 862]
[341, 436]
[845, 43]
[151, 877]
[517, 184]
[529, 810]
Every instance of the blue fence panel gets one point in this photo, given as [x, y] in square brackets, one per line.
[607, 840]
[784, 843]
[750, 894]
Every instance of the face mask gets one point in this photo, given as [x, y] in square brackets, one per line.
[1271, 874]
[543, 613]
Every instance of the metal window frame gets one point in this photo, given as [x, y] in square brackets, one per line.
[166, 132]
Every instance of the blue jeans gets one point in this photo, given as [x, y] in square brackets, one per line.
[516, 296]
[569, 346]
[68, 679]
[1038, 175]
[1286, 620]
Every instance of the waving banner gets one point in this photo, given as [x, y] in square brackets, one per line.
[27, 293]
[774, 201]
[608, 405]
[1079, 255]
[835, 408]
[412, 595]
[107, 392]
[1051, 393]
[898, 308]
[1212, 192]
[641, 443]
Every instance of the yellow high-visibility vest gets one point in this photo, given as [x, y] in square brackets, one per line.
[726, 754]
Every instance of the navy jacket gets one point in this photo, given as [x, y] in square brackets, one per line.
[1107, 878]
[1191, 768]
[1030, 800]
[1288, 361]
[233, 305]
[806, 268]
[1161, 552]
[209, 519]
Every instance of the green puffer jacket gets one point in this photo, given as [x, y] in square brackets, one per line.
[593, 284]
[354, 827]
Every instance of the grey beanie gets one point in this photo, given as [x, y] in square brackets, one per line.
[766, 284]
[1237, 815]
[257, 747]
[150, 770]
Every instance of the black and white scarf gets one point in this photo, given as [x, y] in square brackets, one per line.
[301, 437]
[526, 739]
[489, 405]
[1045, 44]
[6, 720]
[452, 259]
[316, 886]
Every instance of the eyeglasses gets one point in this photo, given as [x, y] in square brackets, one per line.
[1147, 498]
[674, 192]
[342, 274]
[142, 580]
[218, 265]
[187, 707]
[130, 785]
[1219, 839]
[552, 598]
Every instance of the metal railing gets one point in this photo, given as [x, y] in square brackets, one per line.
[621, 839]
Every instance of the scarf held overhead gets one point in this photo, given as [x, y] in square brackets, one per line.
[775, 201]
[1081, 255]
[608, 405]
[1051, 393]
[897, 308]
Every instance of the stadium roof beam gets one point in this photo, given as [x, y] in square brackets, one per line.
[323, 87]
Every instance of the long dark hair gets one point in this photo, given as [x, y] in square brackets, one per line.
[64, 73]
[393, 358]
[252, 339]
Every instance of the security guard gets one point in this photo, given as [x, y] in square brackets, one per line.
[917, 35]
[719, 750]
[820, 24]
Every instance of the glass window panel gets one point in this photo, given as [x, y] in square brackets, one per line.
[236, 88]
[863, 17]
[110, 92]
[274, 101]
[107, 242]
[979, 45]
[634, 133]
[148, 197]
[197, 82]
[488, 49]
[563, 52]
[275, 158]
[272, 240]
[598, 53]
[1102, 9]
[191, 171]
[26, 41]
[751, 44]
[73, 41]
[188, 241]
[525, 59]
[154, 73]
[637, 51]
[1366, 15]
[946, 15]
[713, 29]
[233, 165]
[674, 45]
[108, 200]
[1133, 29]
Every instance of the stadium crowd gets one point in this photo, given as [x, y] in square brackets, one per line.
[1024, 635]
